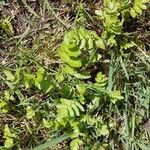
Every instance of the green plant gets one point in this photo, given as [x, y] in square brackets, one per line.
[6, 25]
[78, 50]
[138, 7]
[74, 114]
[95, 97]
[8, 135]
[115, 13]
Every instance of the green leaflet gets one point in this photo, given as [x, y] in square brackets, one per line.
[81, 88]
[76, 110]
[115, 95]
[99, 13]
[138, 7]
[90, 43]
[133, 13]
[47, 124]
[9, 136]
[100, 43]
[30, 113]
[7, 26]
[75, 62]
[81, 108]
[101, 79]
[69, 70]
[68, 108]
[73, 111]
[3, 106]
[28, 79]
[104, 130]
[7, 132]
[75, 51]
[83, 43]
[63, 55]
[71, 37]
[82, 75]
[9, 75]
[39, 77]
[59, 77]
[110, 5]
[71, 61]
[9, 142]
[62, 113]
[43, 80]
[75, 144]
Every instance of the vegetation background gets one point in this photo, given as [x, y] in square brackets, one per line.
[112, 114]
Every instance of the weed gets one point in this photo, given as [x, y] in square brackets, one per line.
[51, 94]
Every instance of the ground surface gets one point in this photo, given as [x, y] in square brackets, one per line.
[31, 36]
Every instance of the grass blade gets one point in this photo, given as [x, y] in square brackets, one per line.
[111, 69]
[30, 9]
[124, 68]
[51, 143]
[143, 147]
